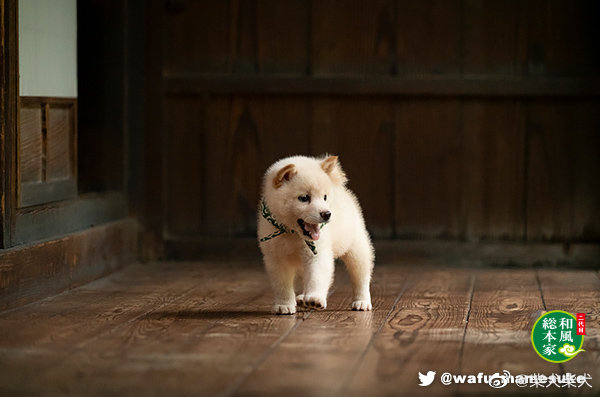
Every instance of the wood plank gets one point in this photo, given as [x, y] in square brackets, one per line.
[563, 162]
[329, 342]
[243, 36]
[232, 123]
[60, 145]
[585, 123]
[504, 308]
[46, 193]
[150, 198]
[192, 328]
[9, 117]
[57, 219]
[215, 333]
[37, 271]
[488, 254]
[414, 252]
[30, 145]
[184, 188]
[283, 36]
[197, 37]
[361, 133]
[577, 292]
[428, 177]
[438, 21]
[128, 293]
[550, 171]
[284, 125]
[251, 134]
[493, 191]
[357, 38]
[418, 86]
[484, 23]
[424, 332]
[75, 323]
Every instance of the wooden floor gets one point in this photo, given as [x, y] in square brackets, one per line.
[204, 329]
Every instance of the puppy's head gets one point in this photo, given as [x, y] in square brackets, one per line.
[299, 191]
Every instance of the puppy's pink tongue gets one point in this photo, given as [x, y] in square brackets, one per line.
[313, 230]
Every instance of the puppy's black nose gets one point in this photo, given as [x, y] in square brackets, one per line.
[325, 215]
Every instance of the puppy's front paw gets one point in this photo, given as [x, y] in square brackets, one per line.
[312, 302]
[284, 309]
[300, 300]
[362, 305]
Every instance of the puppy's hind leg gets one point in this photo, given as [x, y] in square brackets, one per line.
[359, 262]
[282, 282]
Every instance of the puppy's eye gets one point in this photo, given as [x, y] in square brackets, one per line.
[325, 198]
[304, 199]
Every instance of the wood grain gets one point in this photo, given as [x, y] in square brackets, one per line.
[428, 177]
[46, 222]
[30, 145]
[52, 149]
[493, 170]
[185, 137]
[283, 36]
[192, 328]
[60, 144]
[207, 26]
[550, 173]
[33, 272]
[557, 290]
[357, 38]
[563, 159]
[484, 23]
[361, 133]
[424, 332]
[232, 151]
[585, 122]
[457, 119]
[504, 308]
[329, 342]
[419, 86]
[9, 117]
[68, 325]
[439, 22]
[251, 133]
[203, 328]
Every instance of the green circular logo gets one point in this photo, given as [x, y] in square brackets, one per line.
[554, 336]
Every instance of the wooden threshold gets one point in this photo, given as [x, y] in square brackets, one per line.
[64, 217]
[449, 253]
[413, 86]
[32, 272]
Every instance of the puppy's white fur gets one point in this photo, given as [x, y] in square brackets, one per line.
[343, 236]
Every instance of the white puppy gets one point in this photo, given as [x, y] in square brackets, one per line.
[307, 219]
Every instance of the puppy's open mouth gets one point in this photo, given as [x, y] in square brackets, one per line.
[310, 230]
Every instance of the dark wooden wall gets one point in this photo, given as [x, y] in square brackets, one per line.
[455, 119]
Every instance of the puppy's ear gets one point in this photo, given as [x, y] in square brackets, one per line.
[332, 167]
[329, 164]
[284, 175]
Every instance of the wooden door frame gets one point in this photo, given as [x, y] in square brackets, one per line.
[9, 97]
[23, 226]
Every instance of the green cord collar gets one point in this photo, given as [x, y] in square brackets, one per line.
[281, 229]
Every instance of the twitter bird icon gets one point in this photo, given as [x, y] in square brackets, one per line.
[426, 380]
